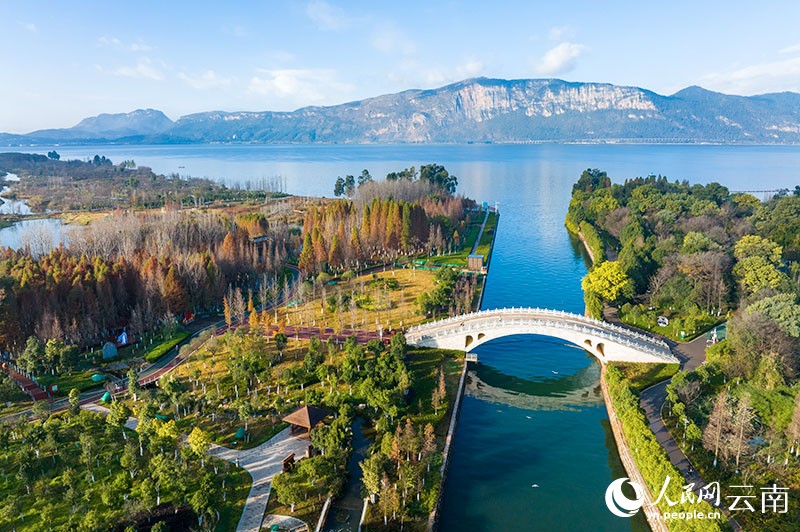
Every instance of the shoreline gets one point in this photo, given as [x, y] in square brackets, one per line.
[654, 518]
[433, 518]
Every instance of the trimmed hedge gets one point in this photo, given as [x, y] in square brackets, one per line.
[652, 459]
[163, 348]
[593, 241]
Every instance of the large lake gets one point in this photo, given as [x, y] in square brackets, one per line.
[537, 418]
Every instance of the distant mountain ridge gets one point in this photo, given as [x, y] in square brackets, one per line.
[473, 110]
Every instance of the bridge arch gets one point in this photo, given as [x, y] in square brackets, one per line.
[605, 341]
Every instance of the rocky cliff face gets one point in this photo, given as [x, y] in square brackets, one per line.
[488, 110]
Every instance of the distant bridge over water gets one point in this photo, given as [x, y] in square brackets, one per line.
[608, 342]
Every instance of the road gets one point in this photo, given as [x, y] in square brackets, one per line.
[692, 355]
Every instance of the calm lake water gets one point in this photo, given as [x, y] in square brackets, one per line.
[538, 418]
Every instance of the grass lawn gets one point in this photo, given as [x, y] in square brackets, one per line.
[379, 304]
[423, 363]
[158, 350]
[20, 401]
[82, 380]
[645, 319]
[237, 485]
[308, 510]
[641, 376]
[82, 218]
[485, 245]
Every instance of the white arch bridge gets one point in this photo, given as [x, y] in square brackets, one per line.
[608, 342]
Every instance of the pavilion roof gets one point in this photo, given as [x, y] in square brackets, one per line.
[306, 416]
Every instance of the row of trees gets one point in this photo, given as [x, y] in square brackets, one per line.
[433, 174]
[340, 235]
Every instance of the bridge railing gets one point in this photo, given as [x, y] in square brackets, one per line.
[610, 327]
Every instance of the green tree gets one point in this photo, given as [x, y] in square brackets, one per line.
[609, 281]
[74, 401]
[338, 188]
[119, 414]
[32, 357]
[280, 342]
[373, 468]
[133, 383]
[289, 488]
[756, 246]
[783, 310]
[41, 409]
[364, 177]
[199, 441]
[349, 186]
[438, 176]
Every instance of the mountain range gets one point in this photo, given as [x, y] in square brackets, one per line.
[473, 110]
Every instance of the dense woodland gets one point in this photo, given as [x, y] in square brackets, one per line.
[701, 255]
[130, 270]
[398, 216]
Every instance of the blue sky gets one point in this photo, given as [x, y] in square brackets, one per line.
[62, 61]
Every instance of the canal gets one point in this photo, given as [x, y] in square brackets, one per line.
[533, 449]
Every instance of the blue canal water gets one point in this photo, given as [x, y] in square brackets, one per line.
[533, 414]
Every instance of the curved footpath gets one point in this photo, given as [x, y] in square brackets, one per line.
[692, 355]
[262, 463]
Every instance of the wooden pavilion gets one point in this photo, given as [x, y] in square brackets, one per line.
[306, 417]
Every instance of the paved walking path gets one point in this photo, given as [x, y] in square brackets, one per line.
[263, 463]
[285, 522]
[480, 234]
[131, 424]
[692, 355]
[27, 384]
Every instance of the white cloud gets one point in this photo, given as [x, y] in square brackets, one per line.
[773, 76]
[144, 69]
[29, 26]
[561, 58]
[299, 86]
[561, 33]
[413, 73]
[327, 16]
[793, 49]
[207, 80]
[390, 40]
[113, 42]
